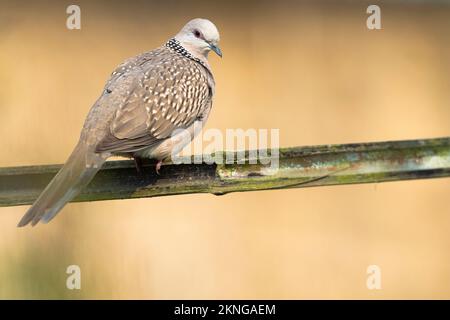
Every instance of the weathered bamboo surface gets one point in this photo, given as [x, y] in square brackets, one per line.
[298, 167]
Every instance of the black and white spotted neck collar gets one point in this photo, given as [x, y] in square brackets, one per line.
[176, 46]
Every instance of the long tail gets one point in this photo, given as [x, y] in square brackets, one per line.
[76, 173]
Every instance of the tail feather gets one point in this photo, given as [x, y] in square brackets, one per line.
[76, 173]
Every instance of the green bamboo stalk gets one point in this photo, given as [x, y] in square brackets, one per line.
[298, 167]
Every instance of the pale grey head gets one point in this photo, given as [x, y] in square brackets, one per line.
[199, 37]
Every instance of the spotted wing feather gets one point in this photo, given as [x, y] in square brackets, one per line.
[167, 92]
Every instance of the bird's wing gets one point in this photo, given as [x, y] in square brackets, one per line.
[162, 94]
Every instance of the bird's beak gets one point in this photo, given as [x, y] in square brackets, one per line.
[216, 49]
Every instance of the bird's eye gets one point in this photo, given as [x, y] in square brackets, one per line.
[197, 34]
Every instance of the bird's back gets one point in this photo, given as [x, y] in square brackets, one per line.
[146, 98]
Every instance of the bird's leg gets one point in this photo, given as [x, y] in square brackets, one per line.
[158, 166]
[138, 164]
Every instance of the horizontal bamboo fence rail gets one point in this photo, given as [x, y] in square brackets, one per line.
[298, 167]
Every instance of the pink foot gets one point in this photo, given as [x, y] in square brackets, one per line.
[158, 166]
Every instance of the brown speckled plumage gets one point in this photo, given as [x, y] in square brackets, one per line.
[152, 95]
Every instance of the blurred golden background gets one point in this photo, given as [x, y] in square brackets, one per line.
[311, 69]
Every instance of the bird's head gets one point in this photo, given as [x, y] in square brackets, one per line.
[199, 37]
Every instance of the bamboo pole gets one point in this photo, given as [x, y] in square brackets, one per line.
[298, 167]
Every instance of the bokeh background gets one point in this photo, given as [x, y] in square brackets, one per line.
[311, 69]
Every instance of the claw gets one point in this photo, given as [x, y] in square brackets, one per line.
[158, 166]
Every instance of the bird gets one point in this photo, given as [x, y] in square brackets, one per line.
[147, 100]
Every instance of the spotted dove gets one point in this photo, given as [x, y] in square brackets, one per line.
[146, 100]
